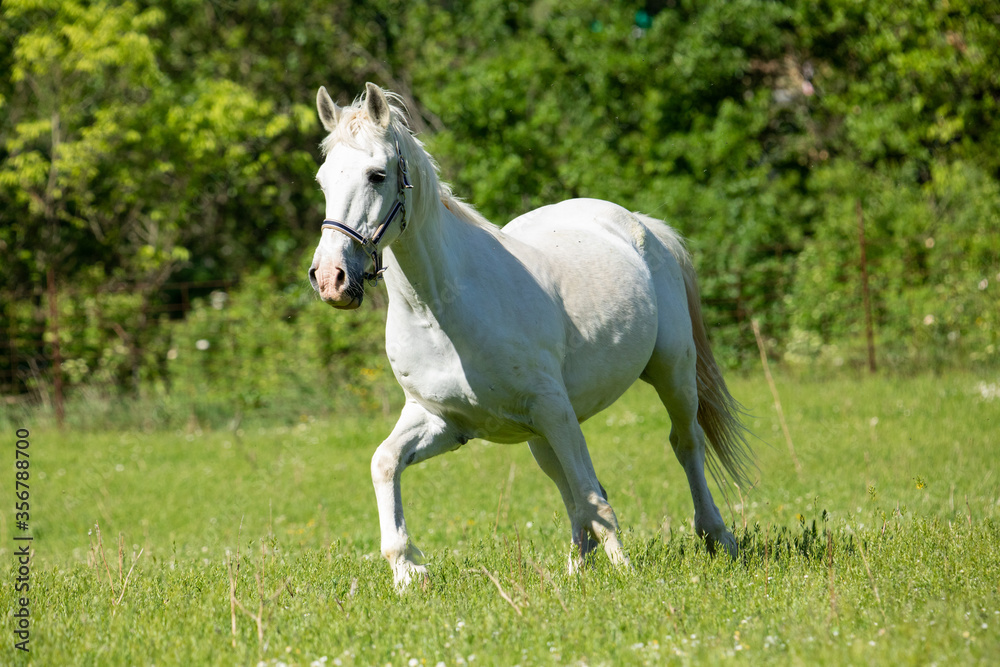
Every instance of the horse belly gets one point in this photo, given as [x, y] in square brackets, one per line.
[595, 258]
[603, 360]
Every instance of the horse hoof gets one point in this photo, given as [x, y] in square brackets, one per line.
[406, 573]
[727, 541]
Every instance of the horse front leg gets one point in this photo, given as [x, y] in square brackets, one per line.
[417, 436]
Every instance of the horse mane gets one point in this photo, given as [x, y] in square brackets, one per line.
[462, 210]
[356, 129]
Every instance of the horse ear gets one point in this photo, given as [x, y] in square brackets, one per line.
[377, 105]
[329, 112]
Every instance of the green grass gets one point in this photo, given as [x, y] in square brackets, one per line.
[884, 549]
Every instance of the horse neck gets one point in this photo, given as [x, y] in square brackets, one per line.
[429, 261]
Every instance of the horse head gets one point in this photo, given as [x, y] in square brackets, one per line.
[365, 181]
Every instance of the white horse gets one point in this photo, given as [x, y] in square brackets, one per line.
[515, 334]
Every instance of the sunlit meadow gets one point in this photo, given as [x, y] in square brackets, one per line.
[254, 545]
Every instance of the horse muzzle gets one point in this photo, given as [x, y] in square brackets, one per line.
[335, 287]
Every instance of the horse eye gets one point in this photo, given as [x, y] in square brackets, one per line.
[377, 176]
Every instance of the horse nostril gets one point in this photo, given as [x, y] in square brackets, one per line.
[339, 278]
[312, 278]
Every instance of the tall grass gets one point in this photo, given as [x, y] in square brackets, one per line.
[883, 549]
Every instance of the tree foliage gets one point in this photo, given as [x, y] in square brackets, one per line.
[146, 141]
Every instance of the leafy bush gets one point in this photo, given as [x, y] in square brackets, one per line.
[934, 267]
[267, 350]
[272, 348]
[144, 143]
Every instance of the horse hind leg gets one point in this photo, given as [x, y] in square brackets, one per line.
[562, 454]
[582, 539]
[671, 371]
[547, 460]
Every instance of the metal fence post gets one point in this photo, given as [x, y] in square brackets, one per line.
[865, 294]
[57, 378]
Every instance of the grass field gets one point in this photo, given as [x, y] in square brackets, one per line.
[232, 547]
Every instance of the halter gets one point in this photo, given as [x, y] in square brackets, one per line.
[370, 245]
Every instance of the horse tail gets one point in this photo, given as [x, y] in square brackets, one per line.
[719, 414]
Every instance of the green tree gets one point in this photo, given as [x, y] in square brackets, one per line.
[676, 117]
[81, 75]
[144, 141]
[112, 171]
[907, 106]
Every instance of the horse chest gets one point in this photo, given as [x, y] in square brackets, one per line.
[470, 385]
[426, 364]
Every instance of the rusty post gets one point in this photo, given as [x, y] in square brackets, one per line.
[865, 293]
[57, 378]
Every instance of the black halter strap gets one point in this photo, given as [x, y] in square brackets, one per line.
[370, 245]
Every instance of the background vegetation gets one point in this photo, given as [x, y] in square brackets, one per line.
[146, 143]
